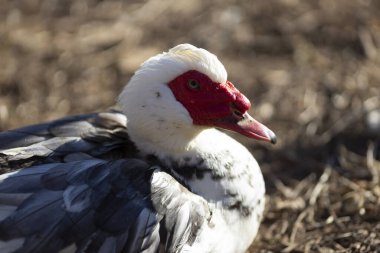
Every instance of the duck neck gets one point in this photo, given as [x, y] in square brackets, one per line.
[164, 141]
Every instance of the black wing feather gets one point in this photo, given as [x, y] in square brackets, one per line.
[98, 135]
[99, 208]
[76, 185]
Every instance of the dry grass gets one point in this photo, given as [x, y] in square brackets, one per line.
[311, 67]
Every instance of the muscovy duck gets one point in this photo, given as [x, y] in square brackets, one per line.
[154, 177]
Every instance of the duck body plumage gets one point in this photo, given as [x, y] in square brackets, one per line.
[93, 183]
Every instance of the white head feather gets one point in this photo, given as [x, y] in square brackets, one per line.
[157, 122]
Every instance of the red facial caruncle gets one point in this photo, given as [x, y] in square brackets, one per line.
[217, 104]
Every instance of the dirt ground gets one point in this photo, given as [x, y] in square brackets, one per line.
[310, 67]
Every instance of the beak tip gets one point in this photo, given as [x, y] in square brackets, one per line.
[272, 137]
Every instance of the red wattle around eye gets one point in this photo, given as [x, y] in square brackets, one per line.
[211, 100]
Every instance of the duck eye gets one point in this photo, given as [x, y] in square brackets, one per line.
[193, 84]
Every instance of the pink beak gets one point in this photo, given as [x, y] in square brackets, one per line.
[247, 126]
[250, 127]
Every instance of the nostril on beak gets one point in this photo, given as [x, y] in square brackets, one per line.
[236, 112]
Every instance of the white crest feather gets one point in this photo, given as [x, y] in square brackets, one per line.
[153, 112]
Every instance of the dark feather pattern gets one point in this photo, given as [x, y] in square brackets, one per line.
[80, 186]
[99, 135]
[100, 199]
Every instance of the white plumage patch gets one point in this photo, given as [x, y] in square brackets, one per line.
[168, 65]
[201, 60]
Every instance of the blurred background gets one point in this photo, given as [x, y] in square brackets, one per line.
[310, 67]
